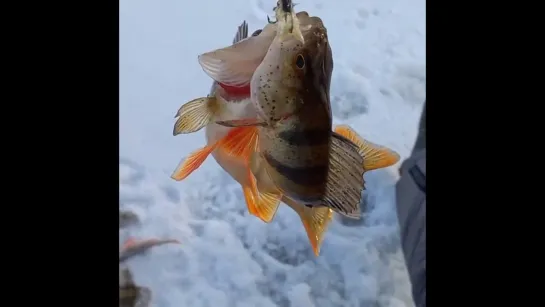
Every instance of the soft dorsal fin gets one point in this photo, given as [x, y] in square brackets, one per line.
[374, 156]
[345, 177]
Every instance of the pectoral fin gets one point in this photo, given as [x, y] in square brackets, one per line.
[240, 142]
[195, 115]
[374, 156]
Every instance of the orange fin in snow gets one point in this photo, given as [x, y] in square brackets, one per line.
[374, 156]
[130, 242]
[192, 162]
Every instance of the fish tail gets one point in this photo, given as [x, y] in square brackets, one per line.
[374, 156]
[195, 115]
[315, 220]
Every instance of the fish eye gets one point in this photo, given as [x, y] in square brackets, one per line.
[300, 61]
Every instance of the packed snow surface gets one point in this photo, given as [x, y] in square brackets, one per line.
[228, 257]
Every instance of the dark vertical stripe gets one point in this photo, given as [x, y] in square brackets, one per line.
[418, 177]
[257, 32]
[286, 5]
[305, 176]
[313, 137]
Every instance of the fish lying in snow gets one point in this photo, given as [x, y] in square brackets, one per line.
[298, 157]
[134, 247]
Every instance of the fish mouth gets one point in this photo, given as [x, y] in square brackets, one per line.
[286, 5]
[287, 20]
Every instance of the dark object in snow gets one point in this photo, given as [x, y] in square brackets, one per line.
[130, 295]
[127, 218]
[421, 138]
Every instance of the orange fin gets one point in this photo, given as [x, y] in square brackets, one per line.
[192, 162]
[195, 115]
[250, 192]
[130, 242]
[240, 142]
[267, 205]
[374, 156]
[267, 194]
[315, 220]
[247, 122]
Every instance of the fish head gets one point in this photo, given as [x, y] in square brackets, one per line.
[295, 73]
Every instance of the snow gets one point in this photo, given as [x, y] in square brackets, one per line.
[227, 257]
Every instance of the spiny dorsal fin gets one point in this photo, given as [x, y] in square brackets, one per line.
[242, 32]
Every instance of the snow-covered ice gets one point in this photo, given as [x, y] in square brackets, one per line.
[227, 257]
